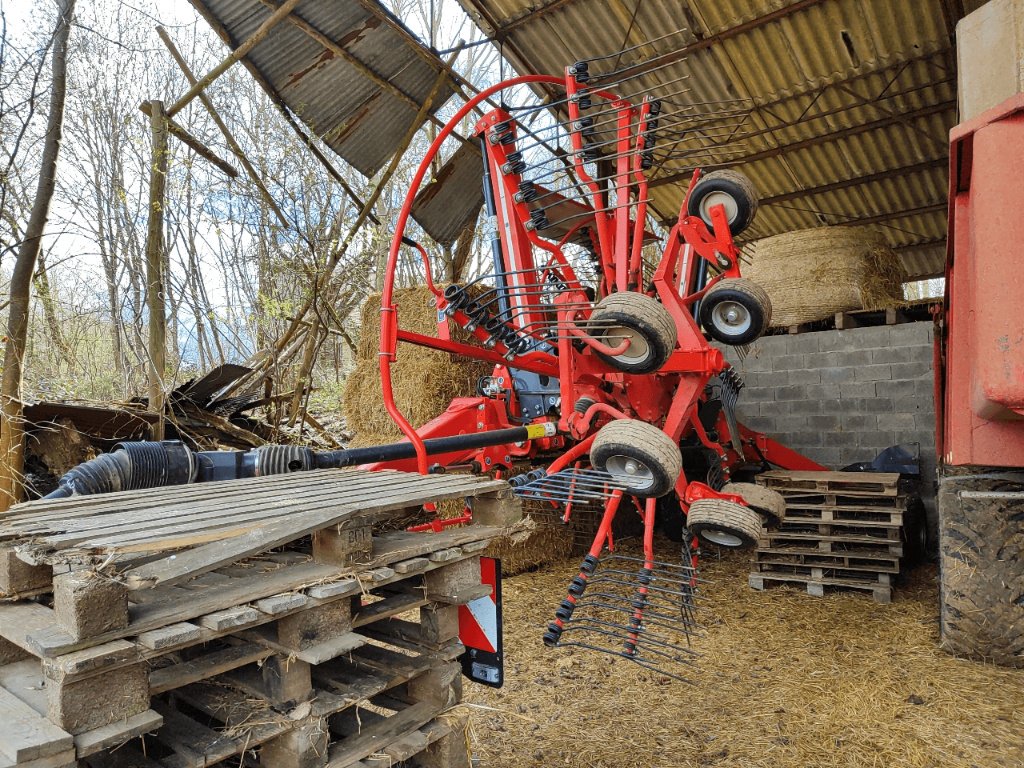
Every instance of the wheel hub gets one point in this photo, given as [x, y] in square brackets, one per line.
[731, 317]
[722, 538]
[719, 198]
[638, 349]
[630, 472]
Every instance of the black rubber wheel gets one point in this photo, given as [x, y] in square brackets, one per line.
[731, 189]
[640, 456]
[981, 551]
[644, 321]
[736, 311]
[724, 523]
[914, 533]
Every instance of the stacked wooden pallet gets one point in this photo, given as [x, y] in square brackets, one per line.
[842, 529]
[267, 622]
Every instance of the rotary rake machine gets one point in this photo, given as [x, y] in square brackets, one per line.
[603, 376]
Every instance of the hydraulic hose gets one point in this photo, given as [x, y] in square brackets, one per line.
[129, 467]
[137, 465]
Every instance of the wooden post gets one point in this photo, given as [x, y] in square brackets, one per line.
[154, 265]
[228, 136]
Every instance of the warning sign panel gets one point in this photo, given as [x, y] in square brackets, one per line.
[480, 630]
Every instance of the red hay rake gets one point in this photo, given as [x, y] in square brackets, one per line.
[598, 349]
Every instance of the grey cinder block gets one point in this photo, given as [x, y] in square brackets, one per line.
[872, 373]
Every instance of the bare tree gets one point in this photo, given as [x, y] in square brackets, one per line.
[12, 435]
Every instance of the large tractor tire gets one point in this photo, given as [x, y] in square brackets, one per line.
[981, 557]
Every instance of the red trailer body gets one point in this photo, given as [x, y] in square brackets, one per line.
[981, 391]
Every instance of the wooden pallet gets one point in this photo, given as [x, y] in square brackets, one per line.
[914, 312]
[842, 530]
[881, 593]
[225, 605]
[834, 541]
[849, 484]
[876, 562]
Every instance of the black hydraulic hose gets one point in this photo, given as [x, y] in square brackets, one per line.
[435, 446]
[137, 465]
[491, 225]
[129, 467]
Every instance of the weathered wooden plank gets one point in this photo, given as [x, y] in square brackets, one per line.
[200, 527]
[228, 618]
[114, 734]
[168, 502]
[276, 604]
[317, 653]
[165, 637]
[216, 514]
[26, 735]
[376, 736]
[206, 666]
[126, 500]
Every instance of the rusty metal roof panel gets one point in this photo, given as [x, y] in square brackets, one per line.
[337, 96]
[451, 201]
[104, 423]
[844, 96]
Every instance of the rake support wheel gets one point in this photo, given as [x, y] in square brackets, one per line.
[644, 321]
[639, 455]
[766, 502]
[730, 189]
[724, 523]
[736, 311]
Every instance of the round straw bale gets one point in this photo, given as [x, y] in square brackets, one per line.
[424, 380]
[813, 273]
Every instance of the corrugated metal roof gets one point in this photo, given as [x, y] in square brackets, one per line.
[361, 103]
[844, 106]
[451, 201]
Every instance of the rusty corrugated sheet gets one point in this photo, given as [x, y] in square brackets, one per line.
[359, 119]
[451, 201]
[847, 104]
[104, 423]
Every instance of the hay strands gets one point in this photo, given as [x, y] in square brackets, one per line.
[636, 609]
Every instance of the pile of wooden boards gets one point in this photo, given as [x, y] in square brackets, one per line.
[271, 622]
[842, 529]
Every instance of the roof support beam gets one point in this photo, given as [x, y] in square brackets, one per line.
[239, 53]
[843, 133]
[878, 218]
[706, 42]
[856, 181]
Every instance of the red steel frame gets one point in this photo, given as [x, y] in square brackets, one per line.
[668, 398]
[980, 354]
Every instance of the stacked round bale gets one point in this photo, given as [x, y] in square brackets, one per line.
[812, 274]
[425, 381]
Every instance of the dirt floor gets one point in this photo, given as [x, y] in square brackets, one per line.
[785, 680]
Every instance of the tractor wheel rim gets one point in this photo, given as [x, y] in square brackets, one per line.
[727, 201]
[631, 472]
[731, 317]
[638, 349]
[722, 538]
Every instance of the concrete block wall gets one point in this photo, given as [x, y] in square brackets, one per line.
[840, 397]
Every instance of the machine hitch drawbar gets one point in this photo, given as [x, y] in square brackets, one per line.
[135, 465]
